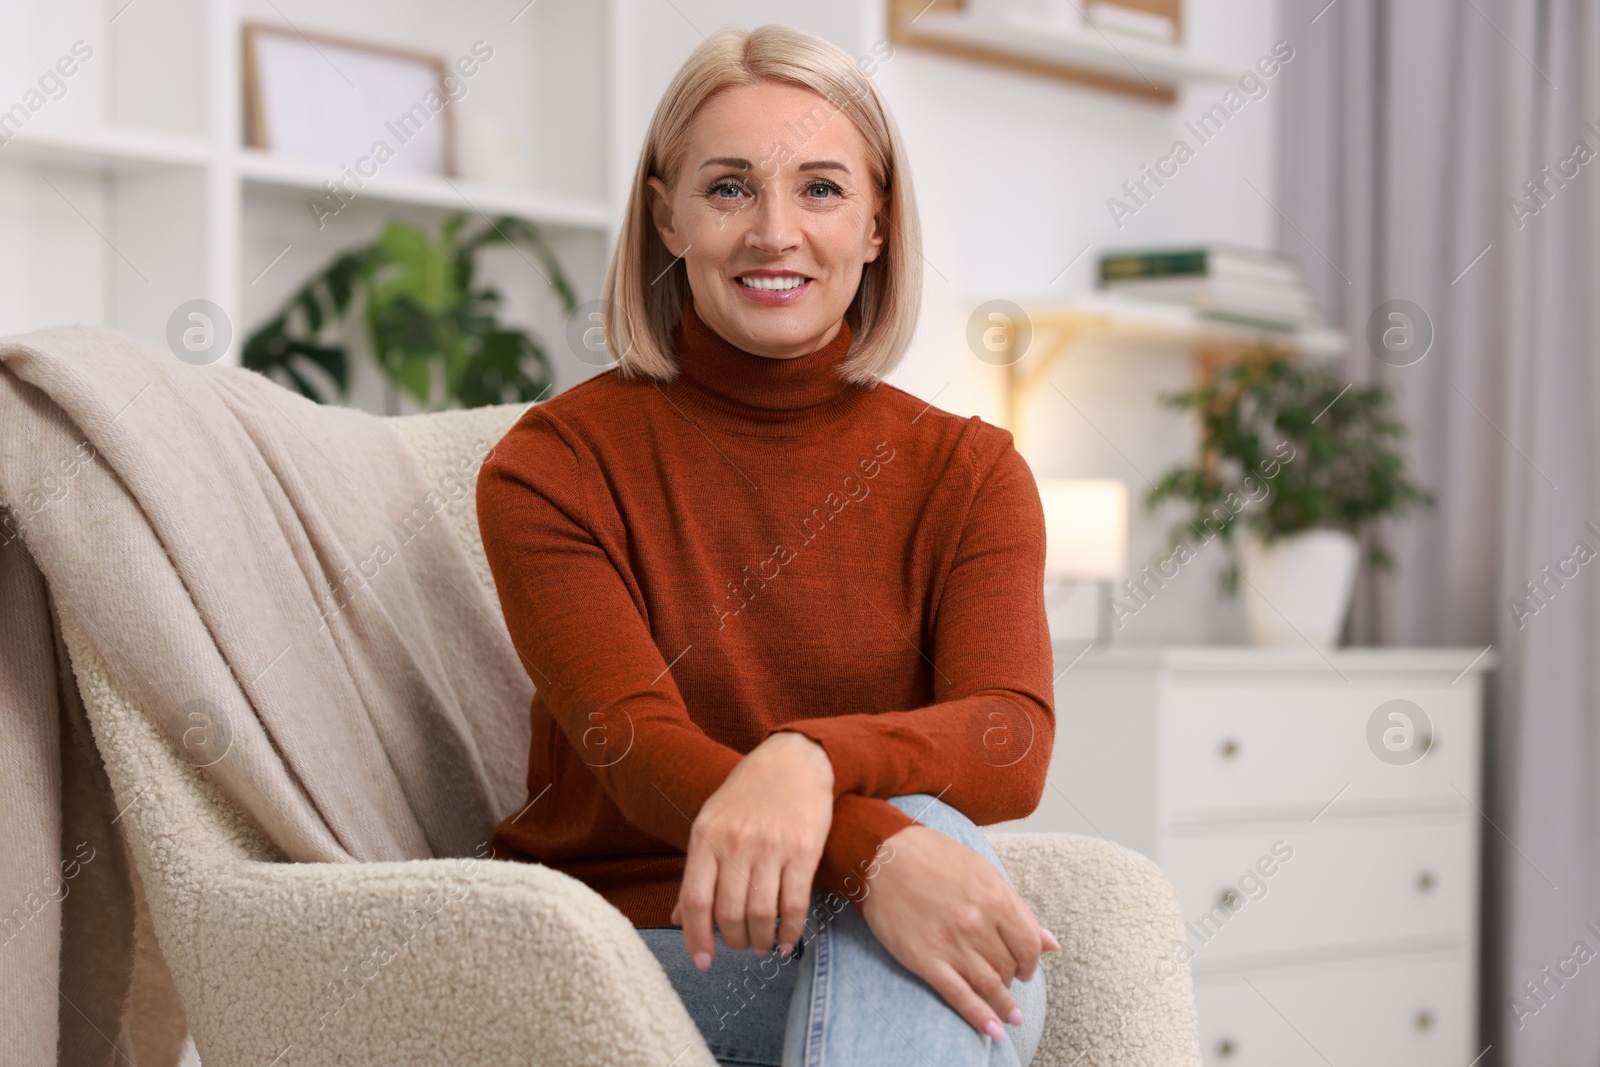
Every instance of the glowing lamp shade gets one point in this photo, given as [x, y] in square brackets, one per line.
[1086, 528]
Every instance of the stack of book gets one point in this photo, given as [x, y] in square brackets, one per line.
[1222, 281]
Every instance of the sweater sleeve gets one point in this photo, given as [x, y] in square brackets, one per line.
[984, 747]
[583, 639]
[585, 644]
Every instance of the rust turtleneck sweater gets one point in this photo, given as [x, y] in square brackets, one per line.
[758, 545]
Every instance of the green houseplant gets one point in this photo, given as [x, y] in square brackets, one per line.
[432, 327]
[1305, 464]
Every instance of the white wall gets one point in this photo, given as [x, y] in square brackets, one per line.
[1012, 174]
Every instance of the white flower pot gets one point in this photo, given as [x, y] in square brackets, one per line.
[1297, 590]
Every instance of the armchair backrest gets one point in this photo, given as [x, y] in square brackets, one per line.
[451, 446]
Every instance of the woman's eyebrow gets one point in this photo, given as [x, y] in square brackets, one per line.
[745, 164]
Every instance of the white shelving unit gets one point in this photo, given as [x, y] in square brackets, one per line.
[131, 192]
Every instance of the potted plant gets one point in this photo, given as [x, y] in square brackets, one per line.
[433, 329]
[1305, 464]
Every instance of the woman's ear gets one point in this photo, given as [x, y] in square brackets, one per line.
[879, 223]
[661, 214]
[875, 238]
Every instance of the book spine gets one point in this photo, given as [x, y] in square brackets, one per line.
[1152, 265]
[1213, 264]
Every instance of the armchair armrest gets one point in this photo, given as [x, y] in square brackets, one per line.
[1120, 989]
[425, 962]
[479, 961]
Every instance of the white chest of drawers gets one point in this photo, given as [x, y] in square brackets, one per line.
[1324, 850]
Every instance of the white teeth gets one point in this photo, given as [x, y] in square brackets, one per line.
[787, 281]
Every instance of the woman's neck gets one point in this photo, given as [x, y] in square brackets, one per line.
[743, 392]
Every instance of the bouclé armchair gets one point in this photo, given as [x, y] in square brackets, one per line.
[490, 962]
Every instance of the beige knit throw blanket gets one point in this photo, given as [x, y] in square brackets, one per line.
[238, 553]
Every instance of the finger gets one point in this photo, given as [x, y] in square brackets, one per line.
[1022, 902]
[992, 985]
[733, 886]
[761, 905]
[957, 992]
[1020, 933]
[794, 903]
[981, 936]
[696, 896]
[1050, 942]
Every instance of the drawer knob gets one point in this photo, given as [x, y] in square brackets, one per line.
[1424, 1020]
[1426, 881]
[1226, 1048]
[1229, 748]
[1230, 899]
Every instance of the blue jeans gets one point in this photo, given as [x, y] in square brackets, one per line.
[841, 999]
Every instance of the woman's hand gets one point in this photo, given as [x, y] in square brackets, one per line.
[951, 918]
[754, 849]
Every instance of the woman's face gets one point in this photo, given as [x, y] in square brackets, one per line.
[773, 187]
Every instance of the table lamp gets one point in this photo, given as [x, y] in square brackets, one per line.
[1086, 541]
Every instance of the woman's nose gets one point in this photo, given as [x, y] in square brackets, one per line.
[775, 226]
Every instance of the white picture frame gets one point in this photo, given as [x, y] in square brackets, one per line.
[333, 101]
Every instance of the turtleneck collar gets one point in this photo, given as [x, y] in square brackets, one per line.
[741, 392]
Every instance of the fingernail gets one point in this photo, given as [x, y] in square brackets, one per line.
[1055, 946]
[702, 960]
[784, 950]
[1015, 1018]
[992, 1028]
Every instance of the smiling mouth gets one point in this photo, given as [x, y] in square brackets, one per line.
[778, 284]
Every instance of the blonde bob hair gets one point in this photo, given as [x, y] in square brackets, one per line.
[646, 286]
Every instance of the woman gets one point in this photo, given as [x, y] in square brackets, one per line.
[785, 621]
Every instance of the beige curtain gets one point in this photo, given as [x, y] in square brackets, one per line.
[1410, 133]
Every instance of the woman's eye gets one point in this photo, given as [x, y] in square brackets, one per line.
[729, 191]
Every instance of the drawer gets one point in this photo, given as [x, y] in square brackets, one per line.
[1402, 1012]
[1301, 745]
[1326, 885]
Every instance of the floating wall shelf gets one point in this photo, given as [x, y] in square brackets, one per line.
[1057, 328]
[1118, 63]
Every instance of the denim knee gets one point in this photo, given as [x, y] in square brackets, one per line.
[935, 814]
[1031, 996]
